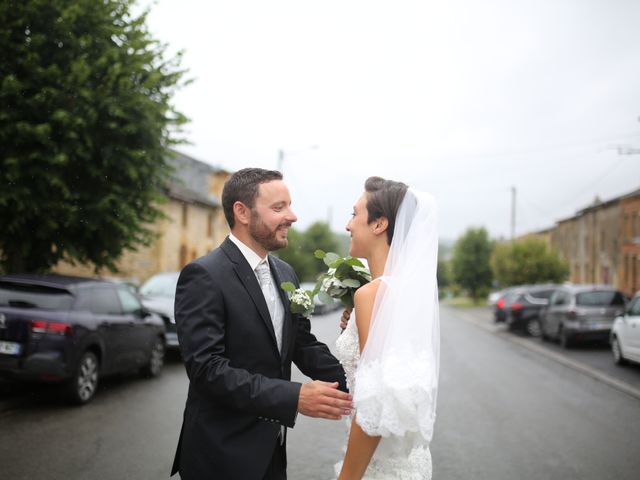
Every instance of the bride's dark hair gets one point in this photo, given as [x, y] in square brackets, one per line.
[383, 200]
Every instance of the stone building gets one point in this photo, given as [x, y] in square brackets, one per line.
[194, 225]
[602, 242]
[629, 273]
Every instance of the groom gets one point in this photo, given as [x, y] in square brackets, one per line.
[238, 338]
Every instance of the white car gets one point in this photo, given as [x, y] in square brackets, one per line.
[625, 334]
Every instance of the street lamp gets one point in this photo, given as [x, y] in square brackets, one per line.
[282, 154]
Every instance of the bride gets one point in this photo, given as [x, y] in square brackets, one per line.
[390, 353]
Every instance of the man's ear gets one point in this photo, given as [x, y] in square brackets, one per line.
[242, 213]
[380, 225]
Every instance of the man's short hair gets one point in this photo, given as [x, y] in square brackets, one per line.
[242, 186]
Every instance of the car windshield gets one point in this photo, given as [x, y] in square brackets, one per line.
[163, 285]
[34, 296]
[599, 299]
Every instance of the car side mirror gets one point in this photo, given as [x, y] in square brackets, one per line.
[142, 312]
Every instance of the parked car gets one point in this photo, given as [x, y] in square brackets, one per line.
[524, 307]
[580, 313]
[493, 298]
[625, 334]
[501, 306]
[158, 295]
[75, 330]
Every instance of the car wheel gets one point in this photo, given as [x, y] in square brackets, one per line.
[156, 359]
[534, 328]
[84, 383]
[618, 358]
[565, 341]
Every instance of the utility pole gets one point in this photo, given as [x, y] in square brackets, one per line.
[280, 159]
[282, 154]
[513, 213]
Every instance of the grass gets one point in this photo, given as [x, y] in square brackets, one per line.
[465, 302]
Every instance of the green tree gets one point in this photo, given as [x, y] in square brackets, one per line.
[297, 255]
[527, 261]
[302, 245]
[85, 127]
[443, 274]
[470, 261]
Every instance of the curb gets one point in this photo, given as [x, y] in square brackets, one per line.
[567, 362]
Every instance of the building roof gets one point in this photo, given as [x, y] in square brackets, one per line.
[597, 204]
[191, 180]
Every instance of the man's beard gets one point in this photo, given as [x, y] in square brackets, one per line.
[266, 238]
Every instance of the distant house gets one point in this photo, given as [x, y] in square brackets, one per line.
[601, 242]
[195, 224]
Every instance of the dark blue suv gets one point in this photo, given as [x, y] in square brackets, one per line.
[74, 330]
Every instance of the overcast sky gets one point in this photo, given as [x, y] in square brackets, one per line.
[462, 98]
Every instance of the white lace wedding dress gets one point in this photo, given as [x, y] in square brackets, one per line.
[395, 458]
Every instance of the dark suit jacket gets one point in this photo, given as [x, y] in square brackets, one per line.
[239, 389]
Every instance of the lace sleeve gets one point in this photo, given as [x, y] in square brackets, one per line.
[396, 395]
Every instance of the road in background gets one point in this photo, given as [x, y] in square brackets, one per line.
[505, 412]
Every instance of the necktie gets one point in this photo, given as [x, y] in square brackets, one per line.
[269, 292]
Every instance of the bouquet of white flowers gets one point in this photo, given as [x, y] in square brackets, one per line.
[344, 276]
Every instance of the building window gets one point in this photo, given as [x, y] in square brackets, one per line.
[210, 226]
[184, 214]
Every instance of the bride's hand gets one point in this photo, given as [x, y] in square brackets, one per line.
[344, 319]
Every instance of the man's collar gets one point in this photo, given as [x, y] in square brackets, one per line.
[253, 259]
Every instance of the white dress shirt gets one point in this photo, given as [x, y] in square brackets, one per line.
[254, 260]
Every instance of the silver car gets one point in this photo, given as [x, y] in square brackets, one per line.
[158, 295]
[625, 334]
[580, 313]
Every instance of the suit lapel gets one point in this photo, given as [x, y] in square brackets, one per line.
[250, 282]
[287, 322]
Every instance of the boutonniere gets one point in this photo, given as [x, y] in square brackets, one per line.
[300, 300]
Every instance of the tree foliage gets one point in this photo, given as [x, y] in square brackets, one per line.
[85, 127]
[302, 245]
[470, 261]
[527, 261]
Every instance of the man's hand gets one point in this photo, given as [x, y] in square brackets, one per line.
[324, 400]
[344, 319]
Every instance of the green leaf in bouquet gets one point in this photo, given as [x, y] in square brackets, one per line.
[347, 300]
[325, 298]
[288, 287]
[351, 282]
[320, 254]
[354, 262]
[362, 269]
[337, 263]
[331, 257]
[343, 271]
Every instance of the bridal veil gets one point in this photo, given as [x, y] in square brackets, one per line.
[397, 375]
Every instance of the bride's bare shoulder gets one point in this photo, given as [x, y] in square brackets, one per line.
[365, 295]
[367, 290]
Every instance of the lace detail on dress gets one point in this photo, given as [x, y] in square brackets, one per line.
[397, 395]
[348, 352]
[404, 457]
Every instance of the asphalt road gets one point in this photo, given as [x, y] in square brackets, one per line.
[505, 412]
